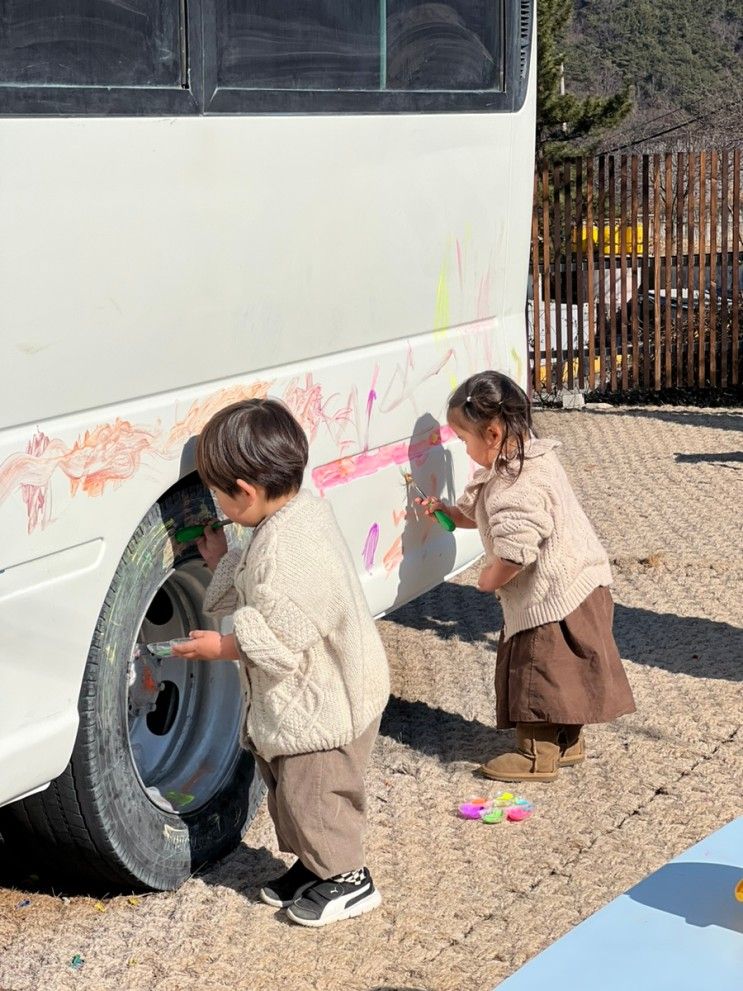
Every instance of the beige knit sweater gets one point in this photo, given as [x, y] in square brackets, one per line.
[316, 668]
[537, 521]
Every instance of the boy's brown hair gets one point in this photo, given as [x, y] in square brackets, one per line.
[258, 441]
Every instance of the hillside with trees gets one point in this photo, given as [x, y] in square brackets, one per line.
[681, 62]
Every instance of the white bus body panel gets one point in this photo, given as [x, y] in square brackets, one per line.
[155, 269]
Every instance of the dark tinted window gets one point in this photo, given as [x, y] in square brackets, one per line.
[359, 44]
[445, 46]
[90, 42]
[298, 44]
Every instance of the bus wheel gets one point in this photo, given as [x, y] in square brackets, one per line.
[158, 784]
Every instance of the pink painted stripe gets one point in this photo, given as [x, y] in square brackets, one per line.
[367, 463]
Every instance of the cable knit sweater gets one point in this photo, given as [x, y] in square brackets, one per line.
[315, 666]
[537, 521]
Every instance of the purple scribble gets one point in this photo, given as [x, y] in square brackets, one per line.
[370, 547]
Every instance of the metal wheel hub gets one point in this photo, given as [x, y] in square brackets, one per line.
[183, 716]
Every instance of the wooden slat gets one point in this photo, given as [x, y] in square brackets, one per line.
[568, 264]
[634, 374]
[656, 273]
[735, 322]
[536, 293]
[690, 202]
[602, 273]
[622, 226]
[725, 261]
[713, 221]
[556, 265]
[645, 271]
[546, 279]
[679, 309]
[589, 279]
[612, 275]
[668, 223]
[702, 335]
[580, 291]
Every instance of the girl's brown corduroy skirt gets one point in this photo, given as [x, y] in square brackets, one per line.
[566, 672]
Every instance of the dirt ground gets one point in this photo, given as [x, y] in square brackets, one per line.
[466, 904]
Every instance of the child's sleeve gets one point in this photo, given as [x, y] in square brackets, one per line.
[274, 632]
[220, 596]
[467, 502]
[519, 522]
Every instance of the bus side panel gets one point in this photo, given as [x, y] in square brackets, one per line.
[73, 490]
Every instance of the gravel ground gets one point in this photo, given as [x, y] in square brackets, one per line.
[466, 904]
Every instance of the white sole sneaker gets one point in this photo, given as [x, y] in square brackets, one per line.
[277, 903]
[338, 912]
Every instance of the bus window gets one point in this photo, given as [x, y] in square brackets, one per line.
[449, 46]
[89, 43]
[301, 44]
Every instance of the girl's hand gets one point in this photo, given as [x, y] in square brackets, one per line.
[497, 574]
[205, 645]
[432, 505]
[212, 546]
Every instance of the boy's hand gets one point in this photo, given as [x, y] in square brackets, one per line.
[205, 645]
[212, 546]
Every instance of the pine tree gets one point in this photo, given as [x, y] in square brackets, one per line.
[567, 125]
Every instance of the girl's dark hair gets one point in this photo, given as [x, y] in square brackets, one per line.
[258, 441]
[490, 396]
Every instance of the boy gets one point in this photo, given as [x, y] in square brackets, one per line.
[316, 669]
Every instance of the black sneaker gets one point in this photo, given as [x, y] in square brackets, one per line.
[342, 897]
[282, 891]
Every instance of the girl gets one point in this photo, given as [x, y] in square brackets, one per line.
[315, 667]
[557, 665]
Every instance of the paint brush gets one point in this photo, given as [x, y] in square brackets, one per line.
[444, 521]
[190, 533]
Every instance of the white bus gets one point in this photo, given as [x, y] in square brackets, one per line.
[205, 200]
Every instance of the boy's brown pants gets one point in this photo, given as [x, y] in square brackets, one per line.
[318, 804]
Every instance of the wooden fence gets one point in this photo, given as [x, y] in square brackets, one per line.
[637, 273]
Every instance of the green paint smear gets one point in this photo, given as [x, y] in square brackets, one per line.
[178, 798]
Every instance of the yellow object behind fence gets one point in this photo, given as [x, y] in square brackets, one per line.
[623, 233]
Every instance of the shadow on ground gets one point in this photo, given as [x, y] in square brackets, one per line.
[435, 732]
[695, 459]
[719, 421]
[702, 648]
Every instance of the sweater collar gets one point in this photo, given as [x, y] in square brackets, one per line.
[295, 505]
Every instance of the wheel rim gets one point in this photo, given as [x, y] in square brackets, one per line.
[183, 716]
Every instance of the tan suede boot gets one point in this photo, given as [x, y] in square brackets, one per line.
[572, 745]
[536, 758]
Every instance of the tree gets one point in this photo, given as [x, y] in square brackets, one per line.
[567, 125]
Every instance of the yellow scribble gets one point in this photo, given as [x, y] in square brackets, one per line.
[441, 317]
[518, 365]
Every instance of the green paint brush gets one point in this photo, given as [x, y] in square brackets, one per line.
[191, 533]
[444, 521]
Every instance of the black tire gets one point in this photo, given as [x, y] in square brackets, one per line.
[97, 823]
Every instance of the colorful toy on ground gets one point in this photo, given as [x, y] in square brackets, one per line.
[506, 806]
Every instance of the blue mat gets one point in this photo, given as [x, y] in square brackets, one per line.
[681, 929]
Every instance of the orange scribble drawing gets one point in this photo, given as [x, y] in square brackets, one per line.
[393, 556]
[201, 411]
[108, 454]
[398, 517]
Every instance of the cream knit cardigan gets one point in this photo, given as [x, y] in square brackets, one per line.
[537, 521]
[316, 669]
